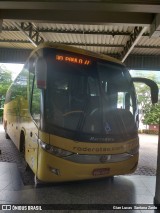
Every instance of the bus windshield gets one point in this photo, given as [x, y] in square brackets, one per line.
[89, 99]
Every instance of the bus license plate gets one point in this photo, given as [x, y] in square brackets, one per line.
[102, 171]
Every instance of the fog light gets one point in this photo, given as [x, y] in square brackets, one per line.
[54, 170]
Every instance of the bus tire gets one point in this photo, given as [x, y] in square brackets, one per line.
[27, 168]
[22, 143]
[22, 150]
[6, 134]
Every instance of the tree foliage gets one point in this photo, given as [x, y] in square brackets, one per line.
[5, 81]
[150, 114]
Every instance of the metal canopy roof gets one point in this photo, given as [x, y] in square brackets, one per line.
[118, 28]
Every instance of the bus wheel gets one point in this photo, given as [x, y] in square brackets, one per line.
[27, 168]
[22, 144]
[22, 150]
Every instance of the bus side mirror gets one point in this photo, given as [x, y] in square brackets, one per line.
[41, 73]
[153, 87]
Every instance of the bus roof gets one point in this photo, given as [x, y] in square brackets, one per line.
[77, 50]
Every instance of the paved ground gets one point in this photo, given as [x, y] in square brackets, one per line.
[92, 196]
[9, 153]
[147, 161]
[148, 155]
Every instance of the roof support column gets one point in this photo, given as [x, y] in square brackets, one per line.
[155, 27]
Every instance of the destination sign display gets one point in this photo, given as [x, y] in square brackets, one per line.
[73, 59]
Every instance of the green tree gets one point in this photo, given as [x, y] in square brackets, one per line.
[150, 114]
[5, 81]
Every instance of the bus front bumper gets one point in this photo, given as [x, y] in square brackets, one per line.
[55, 169]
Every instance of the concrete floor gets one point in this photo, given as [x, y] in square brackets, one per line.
[81, 196]
[122, 190]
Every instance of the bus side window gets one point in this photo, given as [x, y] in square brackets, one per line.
[35, 105]
[34, 94]
[20, 85]
[8, 96]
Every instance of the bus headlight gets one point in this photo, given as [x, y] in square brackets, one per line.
[54, 150]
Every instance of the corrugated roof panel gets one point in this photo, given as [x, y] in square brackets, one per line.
[5, 45]
[23, 46]
[13, 35]
[117, 50]
[50, 37]
[66, 38]
[83, 38]
[146, 41]
[7, 23]
[121, 40]
[91, 39]
[16, 45]
[96, 28]
[143, 40]
[154, 42]
[146, 51]
[104, 50]
[118, 40]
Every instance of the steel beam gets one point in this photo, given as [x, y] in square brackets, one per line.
[96, 5]
[14, 41]
[155, 27]
[97, 11]
[81, 44]
[134, 38]
[71, 31]
[67, 43]
[30, 31]
[76, 17]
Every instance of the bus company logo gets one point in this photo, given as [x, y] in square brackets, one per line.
[107, 128]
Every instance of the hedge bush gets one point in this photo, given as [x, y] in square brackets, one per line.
[148, 131]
